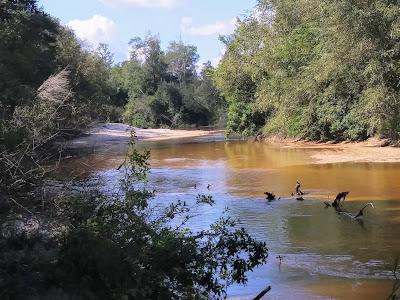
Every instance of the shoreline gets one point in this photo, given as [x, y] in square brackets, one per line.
[116, 135]
[372, 150]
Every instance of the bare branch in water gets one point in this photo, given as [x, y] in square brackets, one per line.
[396, 285]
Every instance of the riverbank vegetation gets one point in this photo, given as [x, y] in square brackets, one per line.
[153, 88]
[88, 244]
[320, 70]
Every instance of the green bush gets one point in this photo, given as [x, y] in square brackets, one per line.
[139, 113]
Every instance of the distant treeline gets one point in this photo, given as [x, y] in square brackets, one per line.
[316, 69]
[163, 88]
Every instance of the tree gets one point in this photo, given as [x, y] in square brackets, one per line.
[149, 53]
[208, 97]
[164, 89]
[105, 54]
[94, 90]
[181, 60]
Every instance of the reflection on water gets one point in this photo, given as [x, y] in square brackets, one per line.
[256, 167]
[326, 255]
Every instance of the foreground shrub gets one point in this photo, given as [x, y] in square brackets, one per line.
[119, 247]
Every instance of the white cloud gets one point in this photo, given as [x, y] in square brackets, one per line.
[207, 29]
[143, 3]
[95, 30]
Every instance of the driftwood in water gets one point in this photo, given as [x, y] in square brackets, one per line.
[361, 212]
[340, 197]
[262, 294]
[270, 196]
[298, 191]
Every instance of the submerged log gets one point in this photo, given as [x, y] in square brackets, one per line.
[361, 212]
[263, 292]
[340, 197]
[298, 191]
[270, 196]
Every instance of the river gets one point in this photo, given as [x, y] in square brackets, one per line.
[325, 255]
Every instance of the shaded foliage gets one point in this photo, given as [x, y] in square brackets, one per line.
[120, 246]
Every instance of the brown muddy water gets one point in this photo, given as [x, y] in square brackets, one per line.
[325, 255]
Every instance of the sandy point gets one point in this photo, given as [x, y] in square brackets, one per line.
[372, 150]
[118, 134]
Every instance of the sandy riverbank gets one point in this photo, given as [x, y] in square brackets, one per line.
[371, 150]
[105, 135]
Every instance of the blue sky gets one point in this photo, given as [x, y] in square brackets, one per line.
[195, 22]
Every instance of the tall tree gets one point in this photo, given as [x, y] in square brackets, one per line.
[103, 51]
[149, 52]
[181, 60]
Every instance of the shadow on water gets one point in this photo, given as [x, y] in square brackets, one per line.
[325, 255]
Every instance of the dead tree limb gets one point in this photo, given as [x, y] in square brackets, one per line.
[263, 292]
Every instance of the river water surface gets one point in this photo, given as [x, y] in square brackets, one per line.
[325, 255]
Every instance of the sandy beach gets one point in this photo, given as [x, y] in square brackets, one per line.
[106, 135]
[111, 135]
[371, 150]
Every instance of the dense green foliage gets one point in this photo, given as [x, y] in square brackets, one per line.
[314, 69]
[163, 88]
[33, 47]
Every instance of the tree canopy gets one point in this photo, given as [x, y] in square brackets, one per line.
[314, 69]
[163, 87]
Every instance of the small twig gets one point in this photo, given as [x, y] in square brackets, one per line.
[20, 205]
